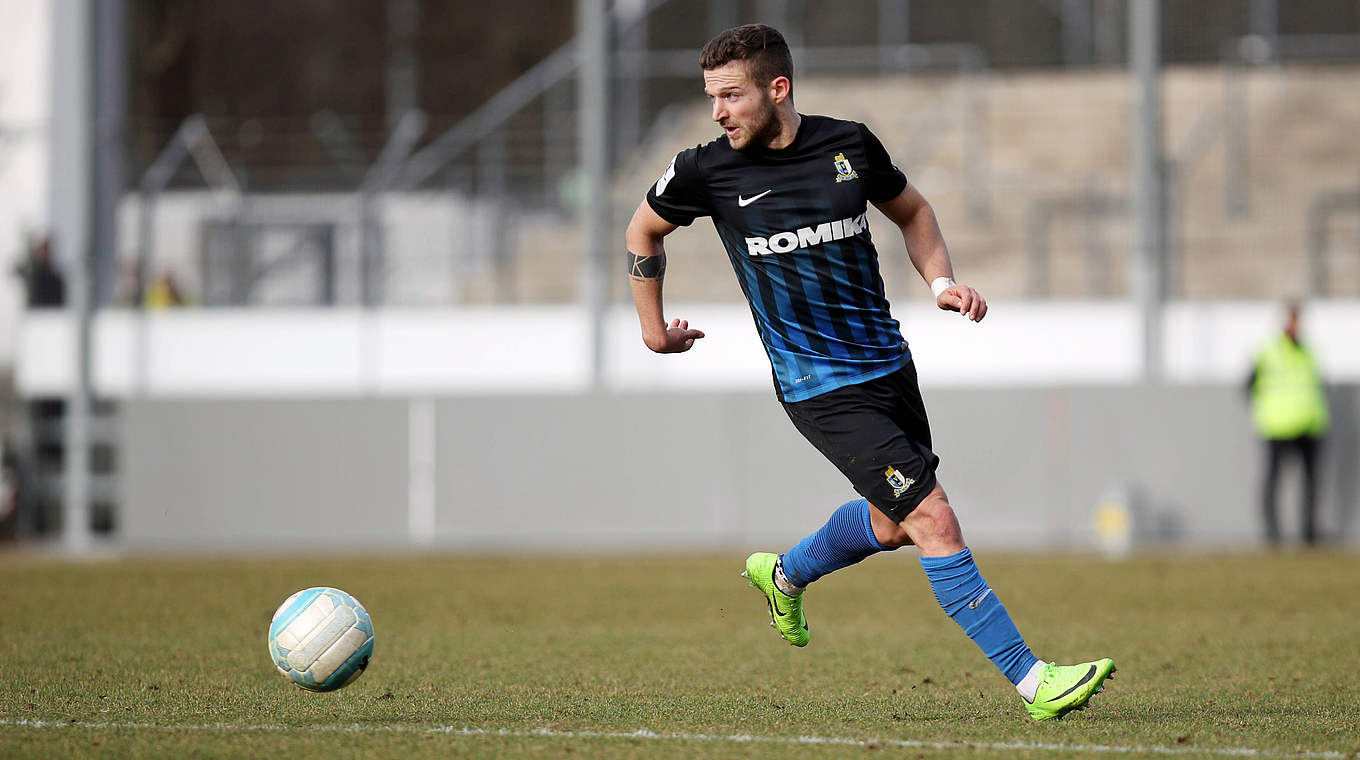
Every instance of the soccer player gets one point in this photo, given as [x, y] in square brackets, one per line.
[788, 195]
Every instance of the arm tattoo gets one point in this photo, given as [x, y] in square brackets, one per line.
[646, 267]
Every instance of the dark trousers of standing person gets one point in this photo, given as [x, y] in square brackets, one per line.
[1306, 447]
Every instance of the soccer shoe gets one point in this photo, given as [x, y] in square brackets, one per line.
[786, 612]
[1064, 688]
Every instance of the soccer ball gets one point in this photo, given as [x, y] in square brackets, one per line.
[321, 638]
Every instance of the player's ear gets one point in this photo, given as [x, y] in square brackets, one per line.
[780, 89]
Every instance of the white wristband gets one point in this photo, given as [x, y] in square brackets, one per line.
[940, 285]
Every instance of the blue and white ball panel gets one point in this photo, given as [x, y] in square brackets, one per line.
[321, 638]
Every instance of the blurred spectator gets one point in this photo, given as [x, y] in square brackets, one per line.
[1289, 410]
[43, 283]
[165, 293]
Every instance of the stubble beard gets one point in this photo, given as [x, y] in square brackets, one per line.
[764, 129]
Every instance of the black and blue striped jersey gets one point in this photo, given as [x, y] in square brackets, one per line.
[794, 224]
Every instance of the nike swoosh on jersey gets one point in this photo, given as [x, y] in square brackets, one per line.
[744, 202]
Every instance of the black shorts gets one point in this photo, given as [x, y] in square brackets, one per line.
[877, 434]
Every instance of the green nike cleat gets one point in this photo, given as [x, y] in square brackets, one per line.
[786, 612]
[1064, 688]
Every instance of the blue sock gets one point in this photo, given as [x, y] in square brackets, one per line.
[966, 597]
[847, 538]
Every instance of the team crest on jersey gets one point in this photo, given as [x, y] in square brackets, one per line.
[843, 171]
[899, 482]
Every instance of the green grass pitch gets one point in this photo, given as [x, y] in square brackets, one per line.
[1225, 655]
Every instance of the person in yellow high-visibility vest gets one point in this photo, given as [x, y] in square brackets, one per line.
[1289, 410]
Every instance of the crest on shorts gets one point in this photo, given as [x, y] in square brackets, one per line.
[899, 482]
[843, 171]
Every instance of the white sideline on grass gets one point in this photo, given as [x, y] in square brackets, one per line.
[645, 734]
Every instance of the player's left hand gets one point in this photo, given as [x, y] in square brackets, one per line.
[964, 300]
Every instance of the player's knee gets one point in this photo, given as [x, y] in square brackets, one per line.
[934, 525]
[892, 535]
[886, 530]
[941, 517]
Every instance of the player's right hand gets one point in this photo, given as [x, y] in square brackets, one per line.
[677, 339]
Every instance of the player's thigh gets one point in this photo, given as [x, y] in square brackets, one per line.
[864, 441]
[908, 408]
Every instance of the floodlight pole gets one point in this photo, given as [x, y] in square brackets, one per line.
[1148, 197]
[592, 138]
[403, 63]
[893, 31]
[69, 204]
[109, 82]
[1263, 17]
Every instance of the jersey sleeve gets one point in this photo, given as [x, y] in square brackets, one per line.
[680, 195]
[883, 181]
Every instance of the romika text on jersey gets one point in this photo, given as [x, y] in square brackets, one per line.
[806, 237]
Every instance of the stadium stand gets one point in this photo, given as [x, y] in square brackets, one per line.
[1050, 137]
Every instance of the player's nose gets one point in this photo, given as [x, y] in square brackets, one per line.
[719, 112]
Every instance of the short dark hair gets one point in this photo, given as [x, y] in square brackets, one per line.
[763, 48]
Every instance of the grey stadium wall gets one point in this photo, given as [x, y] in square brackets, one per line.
[1025, 467]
